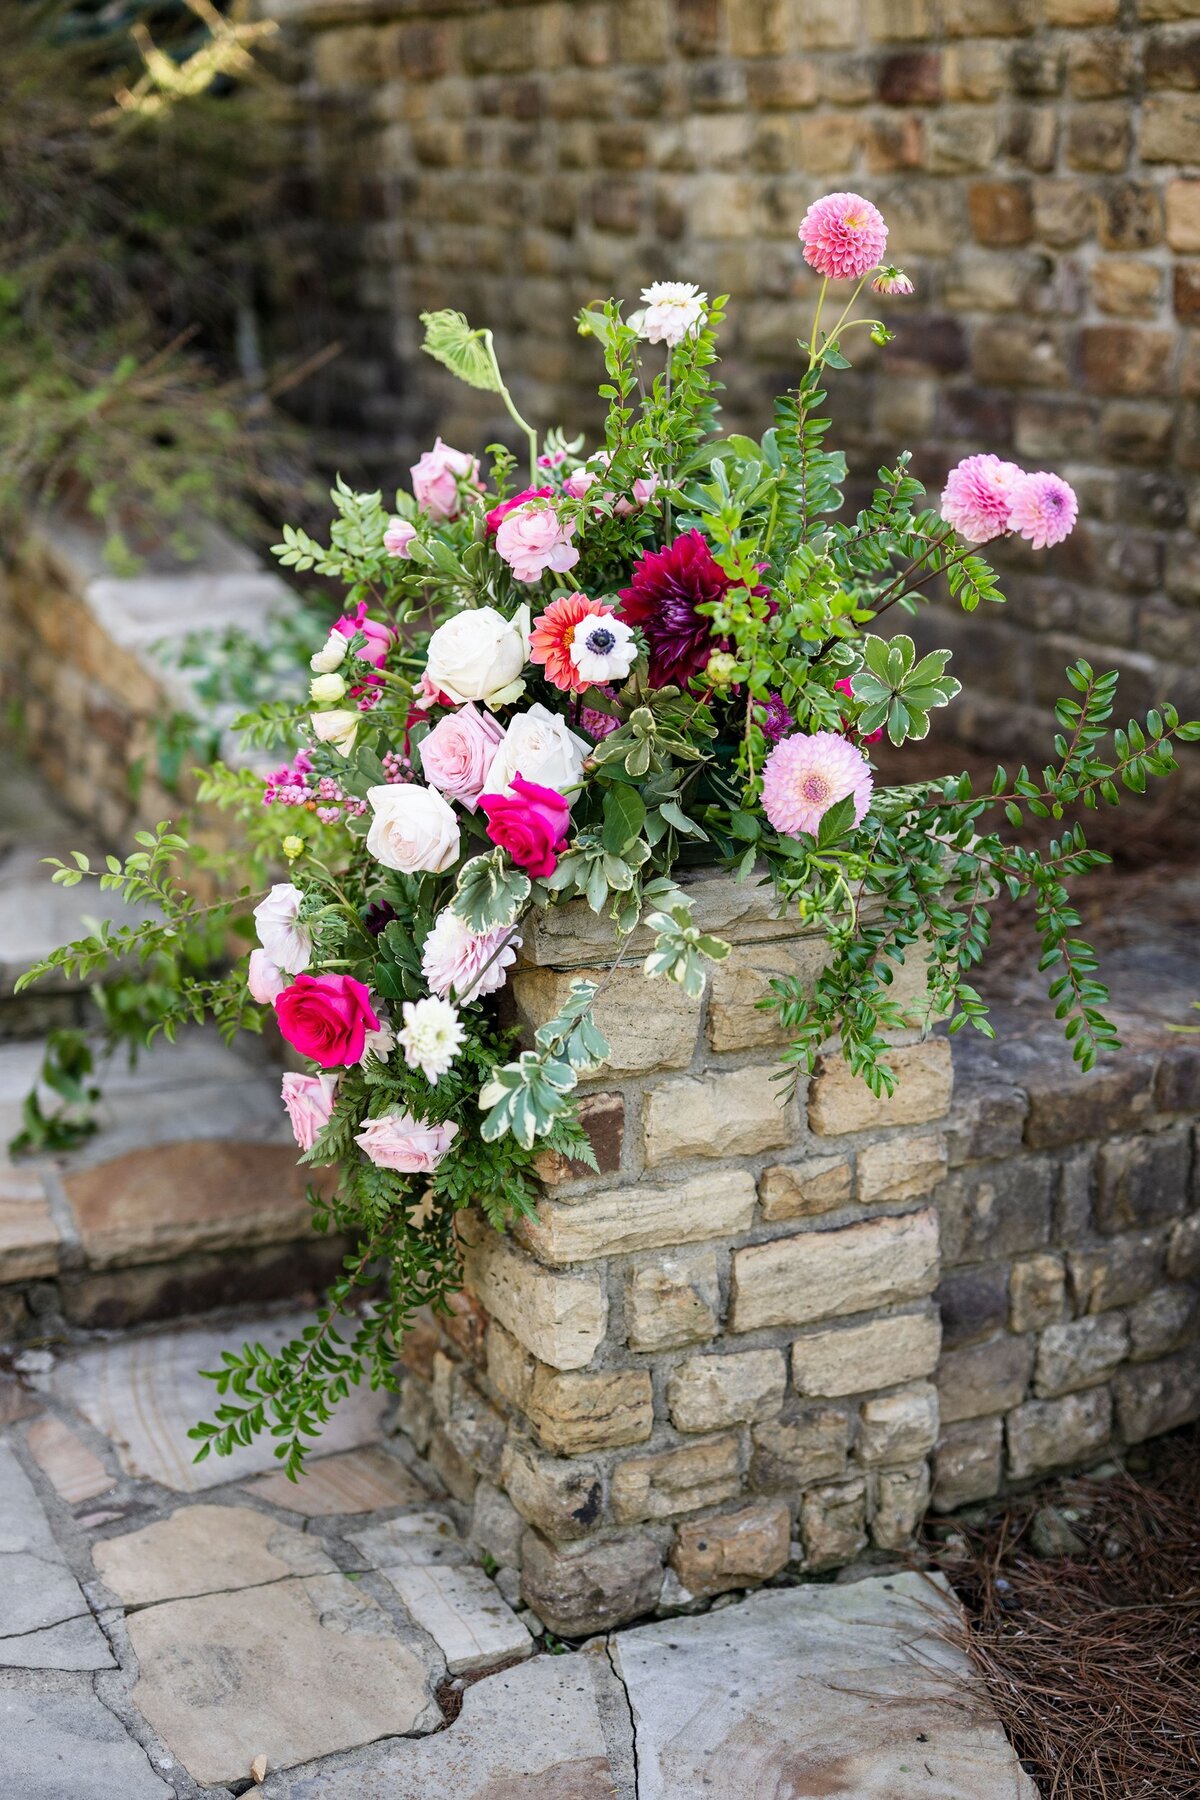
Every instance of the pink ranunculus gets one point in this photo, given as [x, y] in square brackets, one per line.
[530, 823]
[309, 1101]
[458, 752]
[379, 636]
[327, 1017]
[499, 513]
[532, 538]
[398, 537]
[439, 477]
[411, 1146]
[265, 979]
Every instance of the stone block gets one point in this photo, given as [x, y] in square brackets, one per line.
[996, 1209]
[1037, 1287]
[1161, 1321]
[901, 1168]
[732, 1550]
[899, 1427]
[901, 1496]
[1052, 1434]
[475, 1428]
[1127, 287]
[29, 1238]
[1142, 1181]
[833, 1524]
[1001, 212]
[735, 1021]
[1177, 1083]
[968, 1464]
[823, 1274]
[574, 1412]
[672, 1298]
[603, 1119]
[804, 1445]
[563, 1498]
[1079, 1354]
[584, 1588]
[984, 1378]
[1122, 1271]
[1170, 129]
[510, 1367]
[840, 1101]
[803, 1190]
[1183, 215]
[705, 1393]
[676, 1481]
[1065, 1108]
[464, 1614]
[454, 1471]
[561, 1319]
[1157, 1397]
[735, 1114]
[973, 1303]
[853, 1359]
[1183, 1254]
[647, 1027]
[497, 1526]
[1125, 359]
[705, 1205]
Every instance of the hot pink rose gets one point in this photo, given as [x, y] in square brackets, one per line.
[532, 538]
[398, 1141]
[846, 686]
[458, 753]
[327, 1017]
[379, 636]
[309, 1100]
[506, 506]
[438, 478]
[265, 979]
[530, 823]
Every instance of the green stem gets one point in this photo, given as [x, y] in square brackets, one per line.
[812, 348]
[529, 430]
[832, 338]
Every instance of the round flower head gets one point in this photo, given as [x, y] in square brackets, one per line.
[674, 310]
[778, 721]
[891, 280]
[978, 495]
[554, 633]
[468, 963]
[1044, 509]
[844, 237]
[666, 588]
[805, 776]
[432, 1036]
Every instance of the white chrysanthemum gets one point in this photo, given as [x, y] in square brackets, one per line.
[468, 963]
[805, 775]
[674, 310]
[603, 648]
[432, 1036]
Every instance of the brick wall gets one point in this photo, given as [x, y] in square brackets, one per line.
[1038, 162]
[742, 1348]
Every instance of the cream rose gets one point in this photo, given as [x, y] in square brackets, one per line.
[338, 729]
[412, 830]
[539, 746]
[479, 655]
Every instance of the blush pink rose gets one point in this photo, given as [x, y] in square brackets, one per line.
[439, 476]
[458, 752]
[265, 979]
[327, 1017]
[379, 636]
[411, 1146]
[532, 538]
[501, 512]
[530, 822]
[398, 537]
[309, 1101]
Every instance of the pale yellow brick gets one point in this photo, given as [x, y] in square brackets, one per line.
[839, 1101]
[824, 1274]
[677, 1481]
[901, 1168]
[853, 1359]
[801, 1190]
[728, 1114]
[705, 1393]
[577, 1412]
[708, 1205]
[560, 1318]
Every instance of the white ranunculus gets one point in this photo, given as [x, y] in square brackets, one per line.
[338, 729]
[285, 940]
[326, 690]
[332, 656]
[539, 746]
[479, 655]
[413, 829]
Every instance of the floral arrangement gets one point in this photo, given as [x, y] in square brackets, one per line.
[557, 686]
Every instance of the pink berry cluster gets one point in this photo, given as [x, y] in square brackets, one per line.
[297, 784]
[985, 497]
[397, 768]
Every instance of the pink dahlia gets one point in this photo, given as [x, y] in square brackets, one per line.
[805, 776]
[892, 280]
[667, 587]
[1044, 509]
[844, 237]
[978, 495]
[466, 963]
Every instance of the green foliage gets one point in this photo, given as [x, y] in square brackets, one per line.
[898, 690]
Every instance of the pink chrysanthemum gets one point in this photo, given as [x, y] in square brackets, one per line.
[978, 495]
[1044, 509]
[805, 776]
[844, 236]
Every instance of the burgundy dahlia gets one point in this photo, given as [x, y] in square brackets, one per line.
[667, 587]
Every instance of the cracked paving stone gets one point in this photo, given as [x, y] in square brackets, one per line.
[205, 1550]
[532, 1730]
[814, 1690]
[144, 1393]
[45, 1622]
[466, 1615]
[420, 1538]
[358, 1481]
[76, 1472]
[64, 1744]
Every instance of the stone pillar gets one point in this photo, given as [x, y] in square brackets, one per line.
[710, 1361]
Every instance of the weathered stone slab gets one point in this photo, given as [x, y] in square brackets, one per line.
[358, 1481]
[76, 1472]
[55, 1744]
[852, 1359]
[672, 1298]
[463, 1612]
[414, 1538]
[144, 1393]
[577, 1589]
[205, 1550]
[839, 1101]
[29, 1238]
[821, 1274]
[801, 1190]
[707, 1392]
[44, 1619]
[838, 1690]
[560, 1318]
[714, 1205]
[737, 1113]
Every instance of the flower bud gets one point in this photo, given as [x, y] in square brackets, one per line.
[327, 690]
[293, 847]
[327, 660]
[720, 669]
[337, 729]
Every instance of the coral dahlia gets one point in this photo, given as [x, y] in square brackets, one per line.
[553, 634]
[667, 587]
[805, 776]
[844, 237]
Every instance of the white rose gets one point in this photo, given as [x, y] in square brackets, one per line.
[539, 746]
[332, 656]
[326, 690]
[336, 728]
[479, 655]
[413, 829]
[284, 939]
